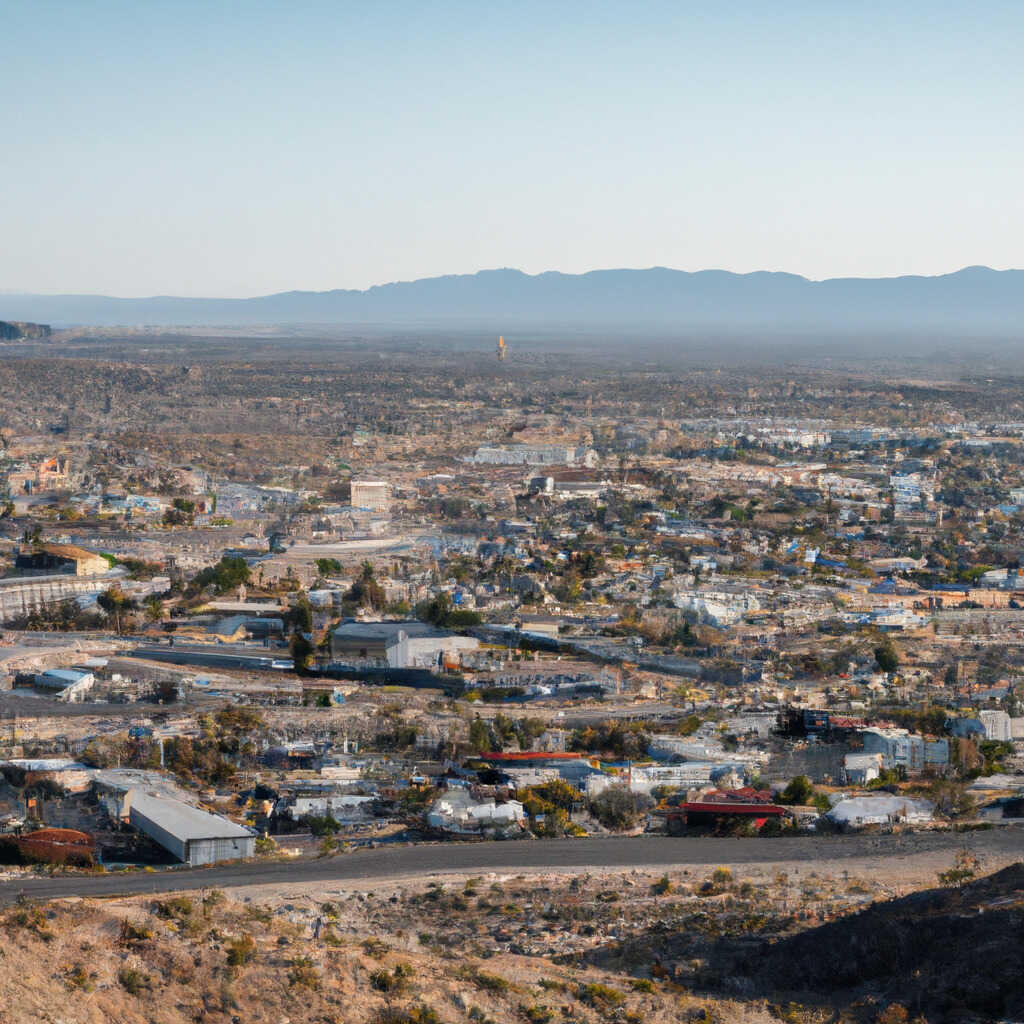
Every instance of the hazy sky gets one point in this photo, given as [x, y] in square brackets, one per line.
[213, 148]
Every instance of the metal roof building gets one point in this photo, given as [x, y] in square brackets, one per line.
[186, 832]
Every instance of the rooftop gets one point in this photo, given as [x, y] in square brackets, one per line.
[183, 821]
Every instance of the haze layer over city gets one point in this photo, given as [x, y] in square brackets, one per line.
[511, 514]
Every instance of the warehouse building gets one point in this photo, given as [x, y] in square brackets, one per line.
[191, 835]
[408, 644]
[61, 559]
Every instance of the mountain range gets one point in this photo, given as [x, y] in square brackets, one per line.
[976, 300]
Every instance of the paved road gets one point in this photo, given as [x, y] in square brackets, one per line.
[582, 854]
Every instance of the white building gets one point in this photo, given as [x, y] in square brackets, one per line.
[997, 725]
[370, 494]
[860, 769]
[457, 811]
[534, 455]
[716, 606]
[898, 747]
[72, 683]
[880, 810]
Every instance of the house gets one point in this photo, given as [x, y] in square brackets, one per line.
[860, 769]
[856, 812]
[370, 494]
[458, 811]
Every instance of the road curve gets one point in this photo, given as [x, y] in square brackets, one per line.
[643, 852]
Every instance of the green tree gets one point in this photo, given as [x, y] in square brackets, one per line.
[479, 736]
[618, 808]
[301, 651]
[154, 608]
[886, 656]
[114, 601]
[301, 615]
[800, 792]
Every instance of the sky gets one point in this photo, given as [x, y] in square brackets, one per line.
[240, 148]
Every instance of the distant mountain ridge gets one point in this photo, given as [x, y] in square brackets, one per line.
[975, 299]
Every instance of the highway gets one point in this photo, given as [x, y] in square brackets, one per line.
[643, 852]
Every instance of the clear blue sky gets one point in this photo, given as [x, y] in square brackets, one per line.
[213, 148]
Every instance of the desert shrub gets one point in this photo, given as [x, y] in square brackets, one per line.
[893, 1014]
[31, 919]
[538, 1014]
[600, 996]
[395, 981]
[663, 886]
[641, 984]
[303, 974]
[493, 983]
[257, 913]
[214, 898]
[965, 867]
[133, 933]
[78, 977]
[241, 951]
[132, 981]
[408, 1015]
[552, 985]
[177, 908]
[375, 948]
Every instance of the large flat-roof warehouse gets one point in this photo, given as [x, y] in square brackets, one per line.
[188, 833]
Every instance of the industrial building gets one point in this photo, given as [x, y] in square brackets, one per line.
[189, 834]
[409, 644]
[62, 558]
[72, 684]
[534, 455]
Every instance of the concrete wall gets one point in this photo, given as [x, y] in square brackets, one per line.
[21, 596]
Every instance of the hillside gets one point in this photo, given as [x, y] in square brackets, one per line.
[975, 299]
[951, 954]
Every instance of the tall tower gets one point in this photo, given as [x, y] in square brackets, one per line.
[501, 350]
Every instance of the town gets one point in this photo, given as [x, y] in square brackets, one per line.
[254, 612]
